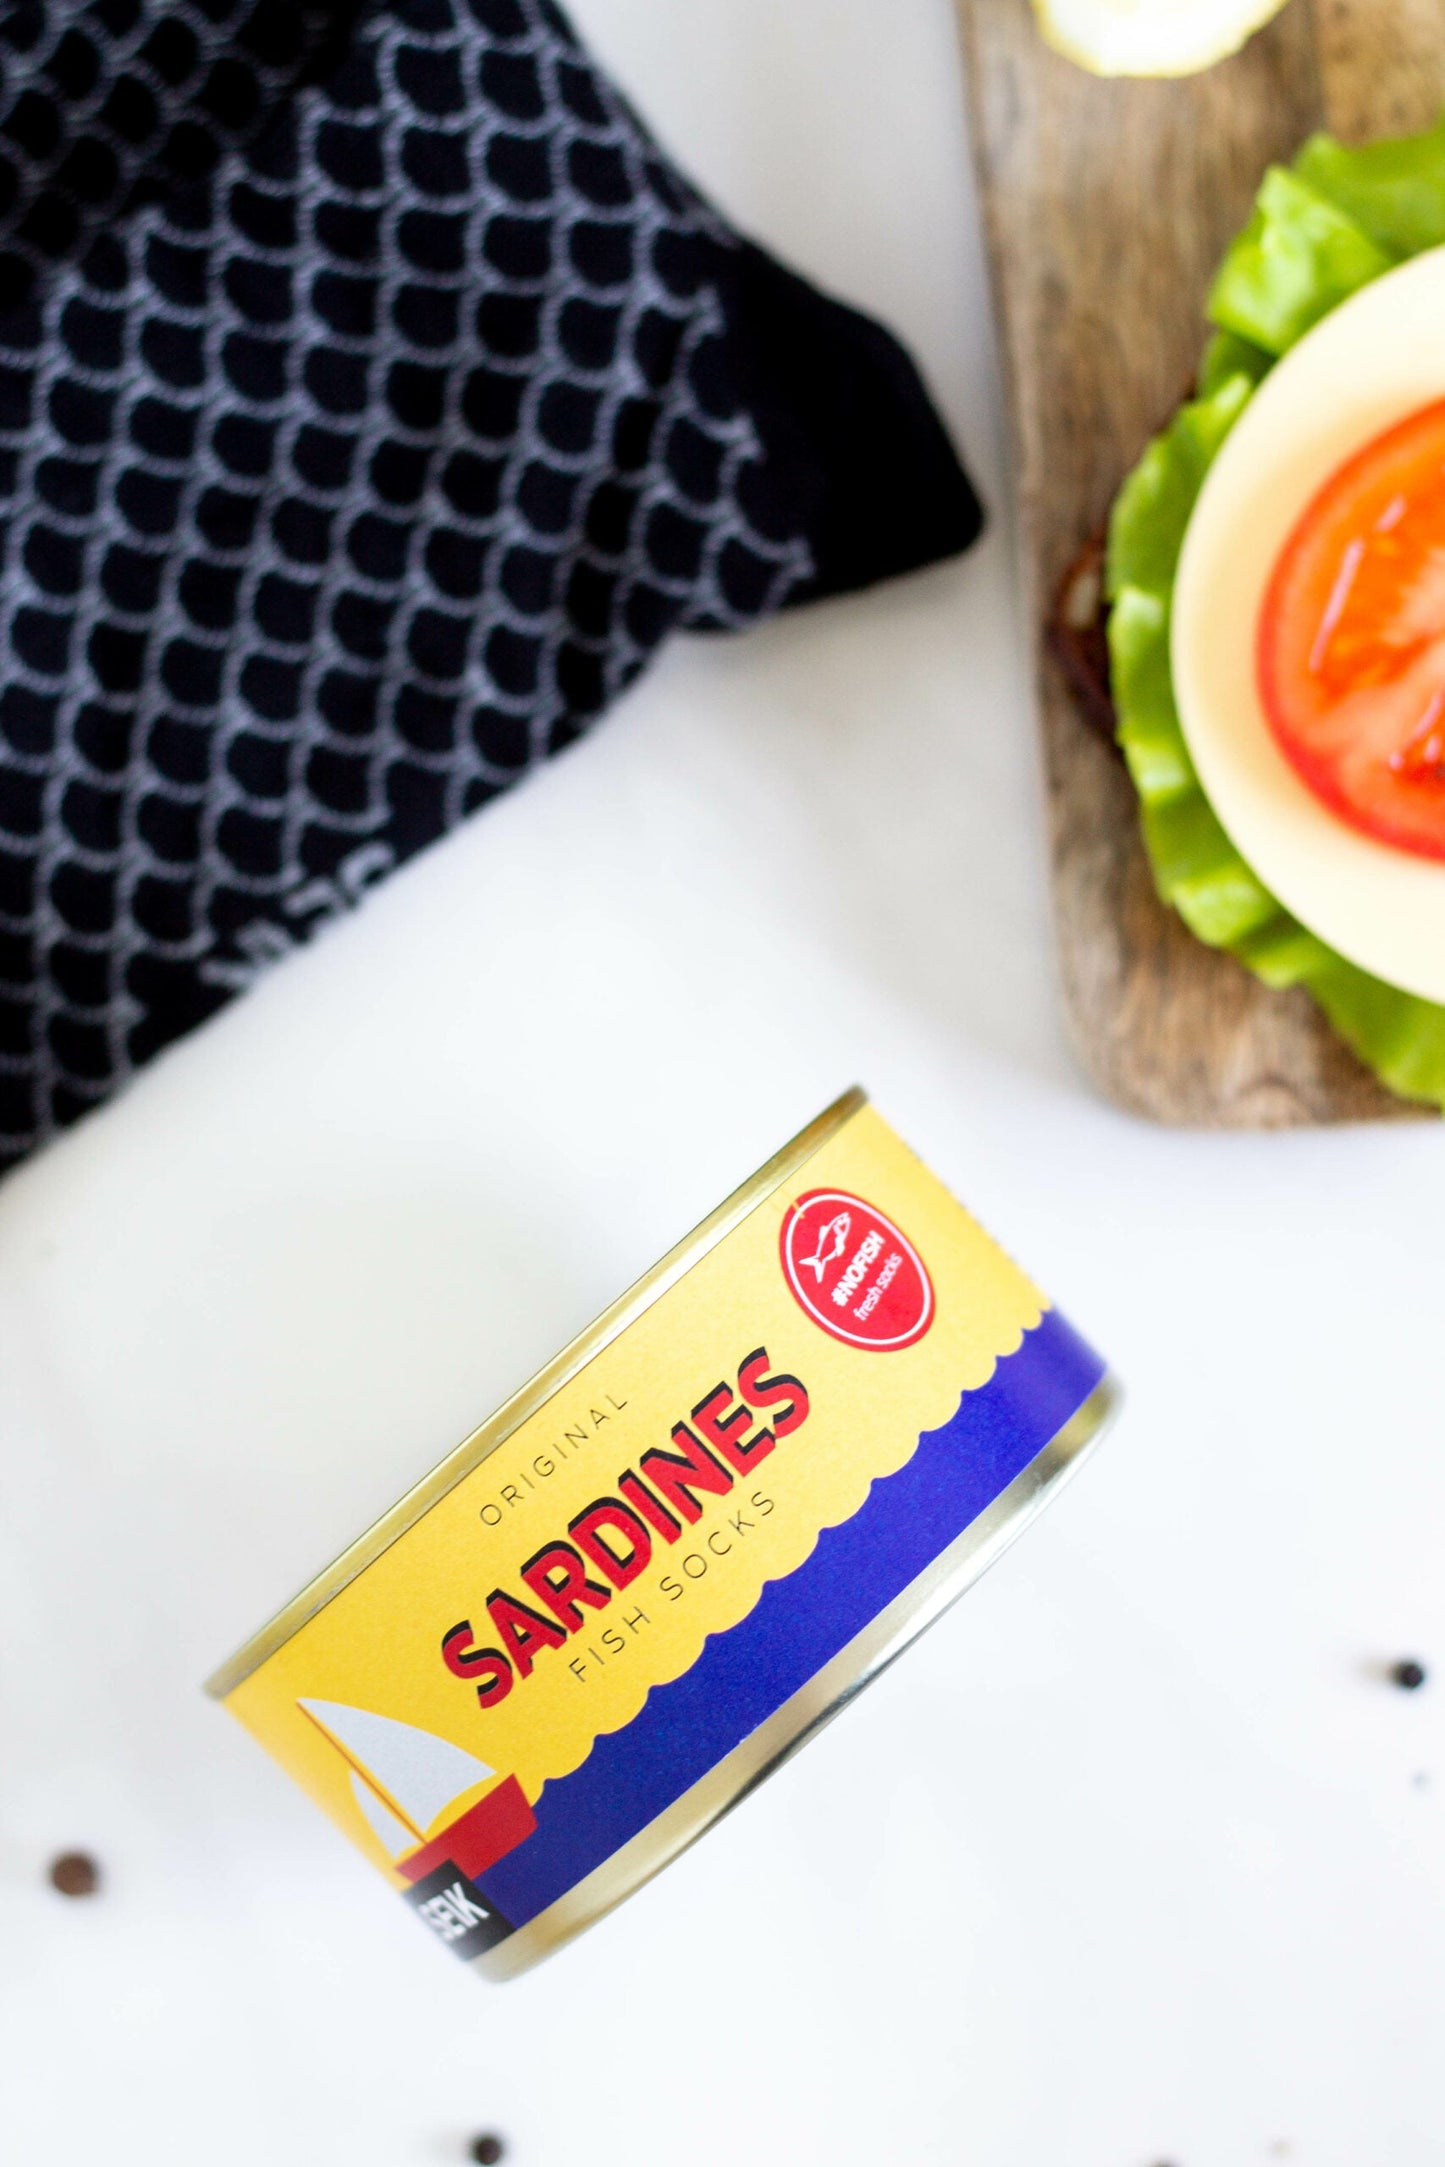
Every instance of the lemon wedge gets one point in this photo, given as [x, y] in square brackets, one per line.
[1151, 37]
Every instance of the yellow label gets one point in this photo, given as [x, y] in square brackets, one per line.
[752, 1406]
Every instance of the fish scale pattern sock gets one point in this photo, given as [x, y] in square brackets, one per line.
[374, 397]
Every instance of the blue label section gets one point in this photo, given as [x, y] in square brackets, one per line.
[801, 1622]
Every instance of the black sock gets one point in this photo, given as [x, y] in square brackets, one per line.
[374, 397]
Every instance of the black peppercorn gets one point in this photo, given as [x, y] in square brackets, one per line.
[74, 1873]
[488, 2149]
[1408, 1674]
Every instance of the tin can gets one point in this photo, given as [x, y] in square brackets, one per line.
[679, 1549]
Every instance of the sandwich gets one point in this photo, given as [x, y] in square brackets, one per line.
[1272, 606]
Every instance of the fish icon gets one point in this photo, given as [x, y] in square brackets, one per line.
[832, 1240]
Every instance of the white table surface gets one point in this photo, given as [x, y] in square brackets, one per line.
[1136, 1858]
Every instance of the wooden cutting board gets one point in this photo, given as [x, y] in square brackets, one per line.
[1108, 206]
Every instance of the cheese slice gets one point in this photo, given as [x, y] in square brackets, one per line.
[1150, 37]
[1376, 358]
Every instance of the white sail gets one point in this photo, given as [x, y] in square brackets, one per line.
[419, 1773]
[393, 1835]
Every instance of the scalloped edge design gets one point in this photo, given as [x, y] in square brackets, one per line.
[839, 1519]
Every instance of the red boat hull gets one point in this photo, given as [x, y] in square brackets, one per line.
[486, 1832]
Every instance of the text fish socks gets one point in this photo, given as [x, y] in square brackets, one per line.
[373, 399]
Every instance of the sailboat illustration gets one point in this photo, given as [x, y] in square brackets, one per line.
[406, 1781]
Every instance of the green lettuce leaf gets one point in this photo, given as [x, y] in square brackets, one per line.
[1299, 257]
[1226, 355]
[1393, 190]
[1319, 231]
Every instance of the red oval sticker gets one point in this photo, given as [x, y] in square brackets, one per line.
[854, 1272]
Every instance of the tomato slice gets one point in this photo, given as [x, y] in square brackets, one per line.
[1350, 653]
